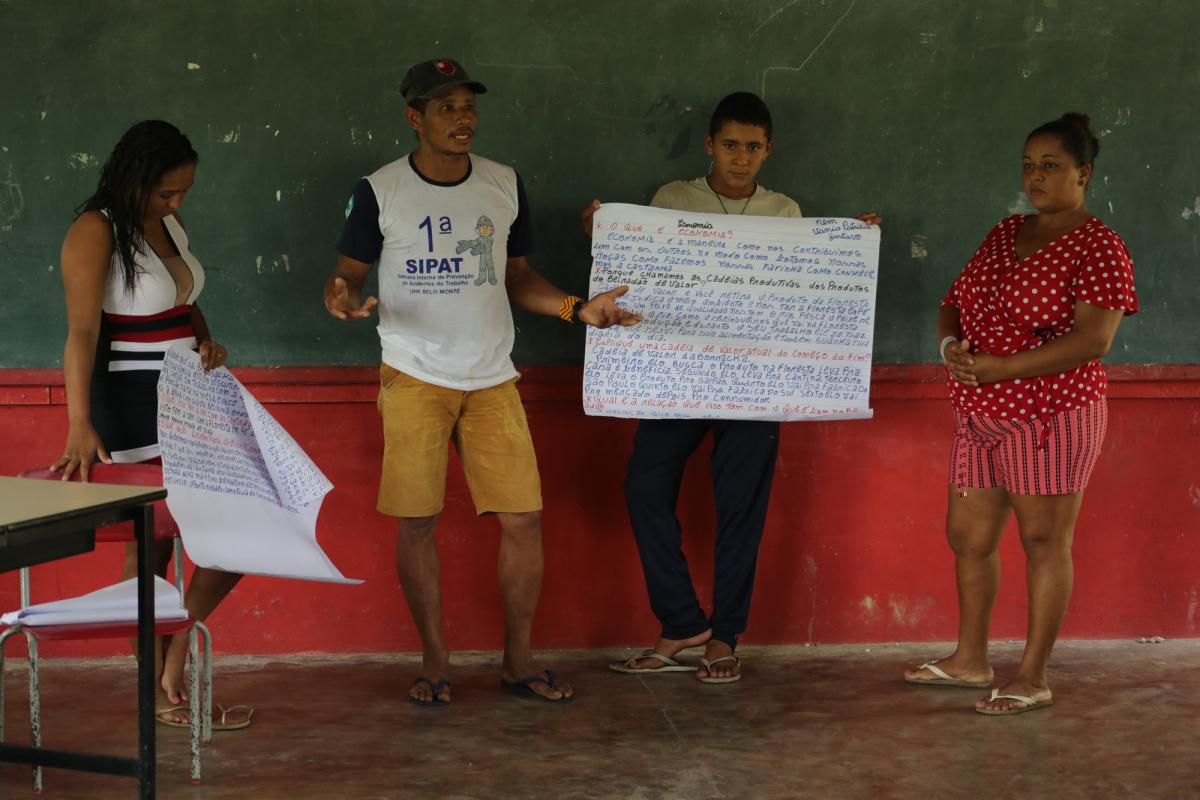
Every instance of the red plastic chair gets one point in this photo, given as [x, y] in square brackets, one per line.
[165, 529]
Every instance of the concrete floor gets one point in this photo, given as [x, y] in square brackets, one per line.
[821, 722]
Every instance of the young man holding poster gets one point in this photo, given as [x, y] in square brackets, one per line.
[743, 456]
[451, 233]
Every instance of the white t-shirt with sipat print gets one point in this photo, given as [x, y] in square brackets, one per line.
[444, 315]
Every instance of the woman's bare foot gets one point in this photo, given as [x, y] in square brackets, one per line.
[670, 648]
[167, 711]
[957, 667]
[173, 664]
[726, 669]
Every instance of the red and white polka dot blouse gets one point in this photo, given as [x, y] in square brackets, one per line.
[1008, 305]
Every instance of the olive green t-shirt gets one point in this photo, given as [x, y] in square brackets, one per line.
[697, 195]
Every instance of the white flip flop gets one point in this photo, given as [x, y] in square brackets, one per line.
[944, 678]
[708, 665]
[668, 664]
[1029, 704]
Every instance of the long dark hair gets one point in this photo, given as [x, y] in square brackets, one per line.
[145, 153]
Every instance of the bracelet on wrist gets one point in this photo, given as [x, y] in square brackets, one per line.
[568, 310]
[942, 347]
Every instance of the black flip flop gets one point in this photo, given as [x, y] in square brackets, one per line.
[434, 688]
[523, 688]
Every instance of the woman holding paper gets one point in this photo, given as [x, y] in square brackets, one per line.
[1022, 330]
[131, 286]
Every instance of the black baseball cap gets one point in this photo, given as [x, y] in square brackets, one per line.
[432, 78]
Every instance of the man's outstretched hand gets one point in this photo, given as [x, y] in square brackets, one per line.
[602, 310]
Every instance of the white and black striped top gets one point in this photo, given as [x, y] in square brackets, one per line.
[144, 323]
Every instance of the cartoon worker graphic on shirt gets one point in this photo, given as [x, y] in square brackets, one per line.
[481, 247]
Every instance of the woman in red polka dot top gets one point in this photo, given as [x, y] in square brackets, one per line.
[1022, 330]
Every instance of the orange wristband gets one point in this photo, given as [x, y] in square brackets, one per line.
[566, 309]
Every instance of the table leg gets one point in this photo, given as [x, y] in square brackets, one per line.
[144, 530]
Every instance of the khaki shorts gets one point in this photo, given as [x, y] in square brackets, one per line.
[488, 429]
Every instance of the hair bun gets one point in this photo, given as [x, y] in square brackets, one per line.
[1078, 118]
[1074, 131]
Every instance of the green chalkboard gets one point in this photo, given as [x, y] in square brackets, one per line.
[916, 110]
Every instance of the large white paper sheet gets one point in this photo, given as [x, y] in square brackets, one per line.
[244, 494]
[116, 603]
[745, 317]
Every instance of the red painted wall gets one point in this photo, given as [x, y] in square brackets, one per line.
[854, 549]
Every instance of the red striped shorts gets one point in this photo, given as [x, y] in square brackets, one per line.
[1039, 457]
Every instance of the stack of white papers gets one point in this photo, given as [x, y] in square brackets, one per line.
[116, 603]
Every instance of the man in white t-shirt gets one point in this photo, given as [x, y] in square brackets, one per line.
[451, 232]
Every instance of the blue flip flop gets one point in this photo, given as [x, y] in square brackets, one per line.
[434, 688]
[524, 688]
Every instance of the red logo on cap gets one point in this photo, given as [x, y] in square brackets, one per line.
[445, 67]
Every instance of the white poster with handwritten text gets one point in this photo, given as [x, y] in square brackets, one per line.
[766, 318]
[245, 496]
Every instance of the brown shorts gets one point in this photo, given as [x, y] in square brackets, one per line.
[488, 429]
